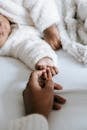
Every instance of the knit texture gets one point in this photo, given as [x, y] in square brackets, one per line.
[31, 122]
[43, 12]
[25, 41]
[25, 44]
[73, 27]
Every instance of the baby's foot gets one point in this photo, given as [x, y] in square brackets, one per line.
[47, 63]
[51, 35]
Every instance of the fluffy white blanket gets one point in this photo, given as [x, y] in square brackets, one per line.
[73, 27]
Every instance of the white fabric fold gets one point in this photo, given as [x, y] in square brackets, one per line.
[34, 121]
[73, 27]
[44, 13]
[15, 12]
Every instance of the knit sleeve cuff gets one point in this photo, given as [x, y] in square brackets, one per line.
[42, 51]
[34, 121]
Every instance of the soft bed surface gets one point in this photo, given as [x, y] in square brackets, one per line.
[72, 76]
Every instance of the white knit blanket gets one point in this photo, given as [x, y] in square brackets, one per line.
[73, 27]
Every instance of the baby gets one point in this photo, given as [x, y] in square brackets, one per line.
[50, 35]
[32, 34]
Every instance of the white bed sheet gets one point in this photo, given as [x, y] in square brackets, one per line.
[73, 77]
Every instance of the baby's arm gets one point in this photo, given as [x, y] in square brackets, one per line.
[45, 17]
[33, 51]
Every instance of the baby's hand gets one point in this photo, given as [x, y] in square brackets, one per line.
[51, 35]
[47, 63]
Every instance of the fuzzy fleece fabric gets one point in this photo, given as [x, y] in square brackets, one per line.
[30, 19]
[73, 27]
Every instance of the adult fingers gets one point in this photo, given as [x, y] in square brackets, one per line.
[59, 99]
[49, 85]
[34, 79]
[49, 75]
[56, 106]
[57, 86]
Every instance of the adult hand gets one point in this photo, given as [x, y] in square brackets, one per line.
[39, 96]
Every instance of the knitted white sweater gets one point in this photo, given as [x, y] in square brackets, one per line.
[31, 122]
[42, 13]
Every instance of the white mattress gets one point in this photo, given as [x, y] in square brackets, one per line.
[72, 76]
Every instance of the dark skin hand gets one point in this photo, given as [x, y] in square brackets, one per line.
[39, 96]
[51, 35]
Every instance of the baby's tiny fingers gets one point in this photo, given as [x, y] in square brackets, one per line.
[52, 71]
[40, 67]
[45, 75]
[56, 69]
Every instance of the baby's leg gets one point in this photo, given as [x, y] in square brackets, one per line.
[32, 50]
